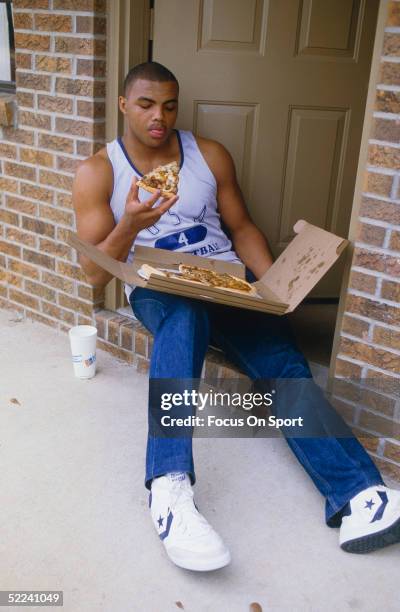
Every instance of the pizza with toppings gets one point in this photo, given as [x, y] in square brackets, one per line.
[203, 276]
[163, 178]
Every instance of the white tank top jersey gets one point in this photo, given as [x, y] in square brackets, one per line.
[193, 224]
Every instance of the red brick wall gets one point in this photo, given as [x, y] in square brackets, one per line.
[60, 98]
[370, 334]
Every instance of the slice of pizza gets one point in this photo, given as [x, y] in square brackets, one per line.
[165, 178]
[225, 281]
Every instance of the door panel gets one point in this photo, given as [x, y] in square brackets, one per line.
[231, 26]
[282, 84]
[314, 158]
[234, 125]
[330, 27]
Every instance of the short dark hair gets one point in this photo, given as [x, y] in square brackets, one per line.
[149, 71]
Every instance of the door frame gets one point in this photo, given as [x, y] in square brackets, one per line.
[128, 36]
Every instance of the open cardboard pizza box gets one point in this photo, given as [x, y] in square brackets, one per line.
[287, 282]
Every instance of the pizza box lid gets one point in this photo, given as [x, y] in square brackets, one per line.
[306, 259]
[285, 284]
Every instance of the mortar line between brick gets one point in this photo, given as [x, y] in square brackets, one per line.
[59, 12]
[380, 448]
[367, 366]
[386, 87]
[385, 459]
[370, 344]
[382, 172]
[379, 223]
[386, 241]
[55, 34]
[358, 293]
[390, 58]
[371, 332]
[376, 250]
[395, 186]
[384, 143]
[63, 75]
[383, 115]
[55, 114]
[60, 55]
[379, 282]
[374, 273]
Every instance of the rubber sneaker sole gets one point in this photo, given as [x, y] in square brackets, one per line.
[195, 564]
[374, 541]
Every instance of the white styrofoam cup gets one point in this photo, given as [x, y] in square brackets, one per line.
[83, 347]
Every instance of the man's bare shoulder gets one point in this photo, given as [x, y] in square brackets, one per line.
[210, 147]
[97, 163]
[216, 156]
[96, 172]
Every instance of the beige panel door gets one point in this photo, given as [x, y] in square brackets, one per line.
[283, 85]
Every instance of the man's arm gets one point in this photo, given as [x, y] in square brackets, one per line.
[94, 219]
[249, 242]
[95, 222]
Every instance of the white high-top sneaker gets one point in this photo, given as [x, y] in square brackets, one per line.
[188, 538]
[374, 521]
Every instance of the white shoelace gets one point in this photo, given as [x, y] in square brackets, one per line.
[188, 520]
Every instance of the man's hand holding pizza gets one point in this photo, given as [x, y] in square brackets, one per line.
[145, 214]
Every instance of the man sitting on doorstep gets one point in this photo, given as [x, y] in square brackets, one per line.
[114, 214]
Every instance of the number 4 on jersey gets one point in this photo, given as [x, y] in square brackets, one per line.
[183, 239]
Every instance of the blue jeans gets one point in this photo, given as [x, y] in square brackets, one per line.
[263, 346]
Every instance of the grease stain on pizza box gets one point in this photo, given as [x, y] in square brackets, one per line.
[286, 283]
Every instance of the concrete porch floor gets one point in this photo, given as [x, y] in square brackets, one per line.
[74, 508]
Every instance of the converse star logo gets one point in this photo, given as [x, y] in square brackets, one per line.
[369, 504]
[160, 522]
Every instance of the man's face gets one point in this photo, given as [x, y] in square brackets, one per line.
[151, 108]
